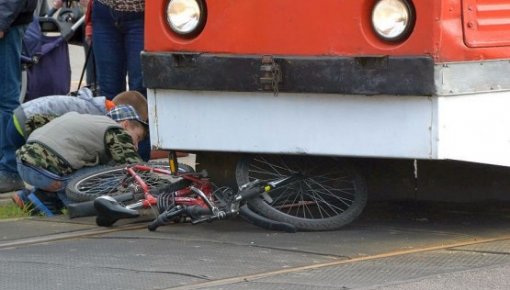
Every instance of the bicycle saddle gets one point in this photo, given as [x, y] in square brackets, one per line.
[109, 211]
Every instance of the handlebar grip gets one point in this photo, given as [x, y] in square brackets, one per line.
[197, 211]
[204, 220]
[251, 192]
[164, 218]
[155, 224]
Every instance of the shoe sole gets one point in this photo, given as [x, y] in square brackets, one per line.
[18, 201]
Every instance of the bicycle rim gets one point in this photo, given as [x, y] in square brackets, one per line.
[112, 181]
[331, 194]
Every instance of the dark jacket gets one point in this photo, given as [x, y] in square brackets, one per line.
[16, 12]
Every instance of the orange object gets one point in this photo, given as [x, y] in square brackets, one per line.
[109, 105]
[447, 30]
[88, 20]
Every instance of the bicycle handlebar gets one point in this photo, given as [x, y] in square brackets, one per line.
[191, 211]
[247, 192]
[209, 210]
[252, 189]
[250, 193]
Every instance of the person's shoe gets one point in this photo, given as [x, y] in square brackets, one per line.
[47, 203]
[10, 182]
[20, 198]
[37, 201]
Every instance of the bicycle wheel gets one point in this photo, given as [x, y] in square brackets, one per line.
[115, 181]
[331, 194]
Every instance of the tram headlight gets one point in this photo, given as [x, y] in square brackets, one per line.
[393, 20]
[186, 17]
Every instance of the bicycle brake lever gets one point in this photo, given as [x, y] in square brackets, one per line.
[219, 216]
[203, 220]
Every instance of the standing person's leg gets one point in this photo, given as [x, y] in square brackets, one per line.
[10, 87]
[9, 177]
[133, 28]
[108, 45]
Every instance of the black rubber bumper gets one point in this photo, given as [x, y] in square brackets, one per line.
[337, 75]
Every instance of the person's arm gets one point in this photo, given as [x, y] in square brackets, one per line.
[9, 10]
[119, 145]
[37, 121]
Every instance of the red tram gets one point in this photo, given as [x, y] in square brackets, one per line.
[411, 79]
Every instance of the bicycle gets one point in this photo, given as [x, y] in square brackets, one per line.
[119, 192]
[196, 202]
[294, 199]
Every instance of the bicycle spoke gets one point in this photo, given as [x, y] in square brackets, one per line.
[318, 198]
[330, 194]
[332, 208]
[301, 202]
[345, 201]
[273, 167]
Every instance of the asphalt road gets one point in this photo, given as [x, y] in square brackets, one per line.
[391, 246]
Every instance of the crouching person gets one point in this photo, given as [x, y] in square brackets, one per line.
[74, 144]
[34, 114]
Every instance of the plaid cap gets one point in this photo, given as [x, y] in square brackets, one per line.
[125, 112]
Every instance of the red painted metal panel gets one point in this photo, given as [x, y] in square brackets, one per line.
[337, 28]
[486, 22]
[289, 27]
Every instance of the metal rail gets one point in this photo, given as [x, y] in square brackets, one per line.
[252, 277]
[68, 235]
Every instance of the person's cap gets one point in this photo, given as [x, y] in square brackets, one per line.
[125, 112]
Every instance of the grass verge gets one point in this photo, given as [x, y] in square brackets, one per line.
[10, 210]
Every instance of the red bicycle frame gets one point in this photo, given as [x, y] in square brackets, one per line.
[182, 196]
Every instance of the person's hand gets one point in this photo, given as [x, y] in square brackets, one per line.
[1, 34]
[84, 3]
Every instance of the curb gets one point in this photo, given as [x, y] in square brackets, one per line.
[5, 200]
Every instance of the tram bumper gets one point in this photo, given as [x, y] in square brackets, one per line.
[393, 107]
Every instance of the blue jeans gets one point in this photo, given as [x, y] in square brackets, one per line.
[117, 41]
[48, 181]
[13, 141]
[10, 84]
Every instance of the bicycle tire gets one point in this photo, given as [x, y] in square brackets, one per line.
[114, 181]
[331, 195]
